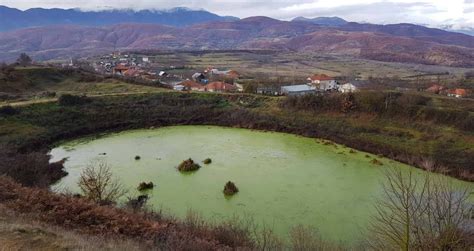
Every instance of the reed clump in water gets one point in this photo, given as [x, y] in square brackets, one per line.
[230, 188]
[145, 186]
[188, 166]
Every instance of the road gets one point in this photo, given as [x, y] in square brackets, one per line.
[49, 100]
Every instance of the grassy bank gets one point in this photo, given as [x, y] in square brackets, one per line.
[421, 131]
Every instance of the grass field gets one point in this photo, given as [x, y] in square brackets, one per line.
[298, 65]
[27, 85]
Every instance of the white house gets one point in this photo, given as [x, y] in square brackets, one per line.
[348, 87]
[323, 82]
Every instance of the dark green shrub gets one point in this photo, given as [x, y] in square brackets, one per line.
[8, 110]
[71, 100]
[137, 203]
[207, 161]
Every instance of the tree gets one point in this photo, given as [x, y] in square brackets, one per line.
[421, 214]
[98, 185]
[348, 103]
[24, 60]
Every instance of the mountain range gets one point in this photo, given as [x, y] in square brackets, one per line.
[394, 42]
[12, 18]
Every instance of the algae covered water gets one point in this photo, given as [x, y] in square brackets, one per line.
[283, 180]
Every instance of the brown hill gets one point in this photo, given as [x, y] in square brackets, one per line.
[395, 44]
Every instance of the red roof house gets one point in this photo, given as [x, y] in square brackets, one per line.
[458, 93]
[320, 77]
[190, 85]
[435, 88]
[120, 69]
[219, 87]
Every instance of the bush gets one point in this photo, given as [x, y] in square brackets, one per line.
[207, 161]
[137, 157]
[145, 186]
[137, 203]
[8, 110]
[376, 162]
[230, 188]
[188, 166]
[72, 100]
[30, 169]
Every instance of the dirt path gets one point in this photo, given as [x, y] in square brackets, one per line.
[49, 100]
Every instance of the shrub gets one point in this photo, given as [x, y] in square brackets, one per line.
[207, 161]
[376, 162]
[145, 186]
[30, 169]
[137, 203]
[230, 188]
[188, 166]
[137, 157]
[72, 100]
[8, 110]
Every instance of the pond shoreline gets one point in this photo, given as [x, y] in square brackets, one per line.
[110, 115]
[277, 169]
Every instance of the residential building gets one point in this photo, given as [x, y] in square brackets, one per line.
[120, 69]
[292, 90]
[458, 93]
[348, 87]
[190, 85]
[323, 82]
[199, 77]
[219, 87]
[178, 88]
[269, 90]
[435, 88]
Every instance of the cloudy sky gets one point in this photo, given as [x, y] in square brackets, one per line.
[428, 12]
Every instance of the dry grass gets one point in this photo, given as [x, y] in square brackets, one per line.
[91, 219]
[23, 233]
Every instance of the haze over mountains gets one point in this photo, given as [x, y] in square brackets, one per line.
[77, 33]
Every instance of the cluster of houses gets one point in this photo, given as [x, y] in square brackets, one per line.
[126, 65]
[319, 83]
[202, 81]
[441, 90]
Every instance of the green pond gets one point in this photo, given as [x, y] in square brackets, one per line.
[284, 179]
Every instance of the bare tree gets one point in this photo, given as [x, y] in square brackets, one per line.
[98, 184]
[24, 59]
[416, 213]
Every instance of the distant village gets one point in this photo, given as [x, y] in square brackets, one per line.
[211, 79]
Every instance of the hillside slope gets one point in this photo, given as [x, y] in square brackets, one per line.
[400, 45]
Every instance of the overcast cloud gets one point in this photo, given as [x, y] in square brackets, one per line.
[429, 12]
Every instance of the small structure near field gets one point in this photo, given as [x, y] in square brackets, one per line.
[294, 90]
[348, 87]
